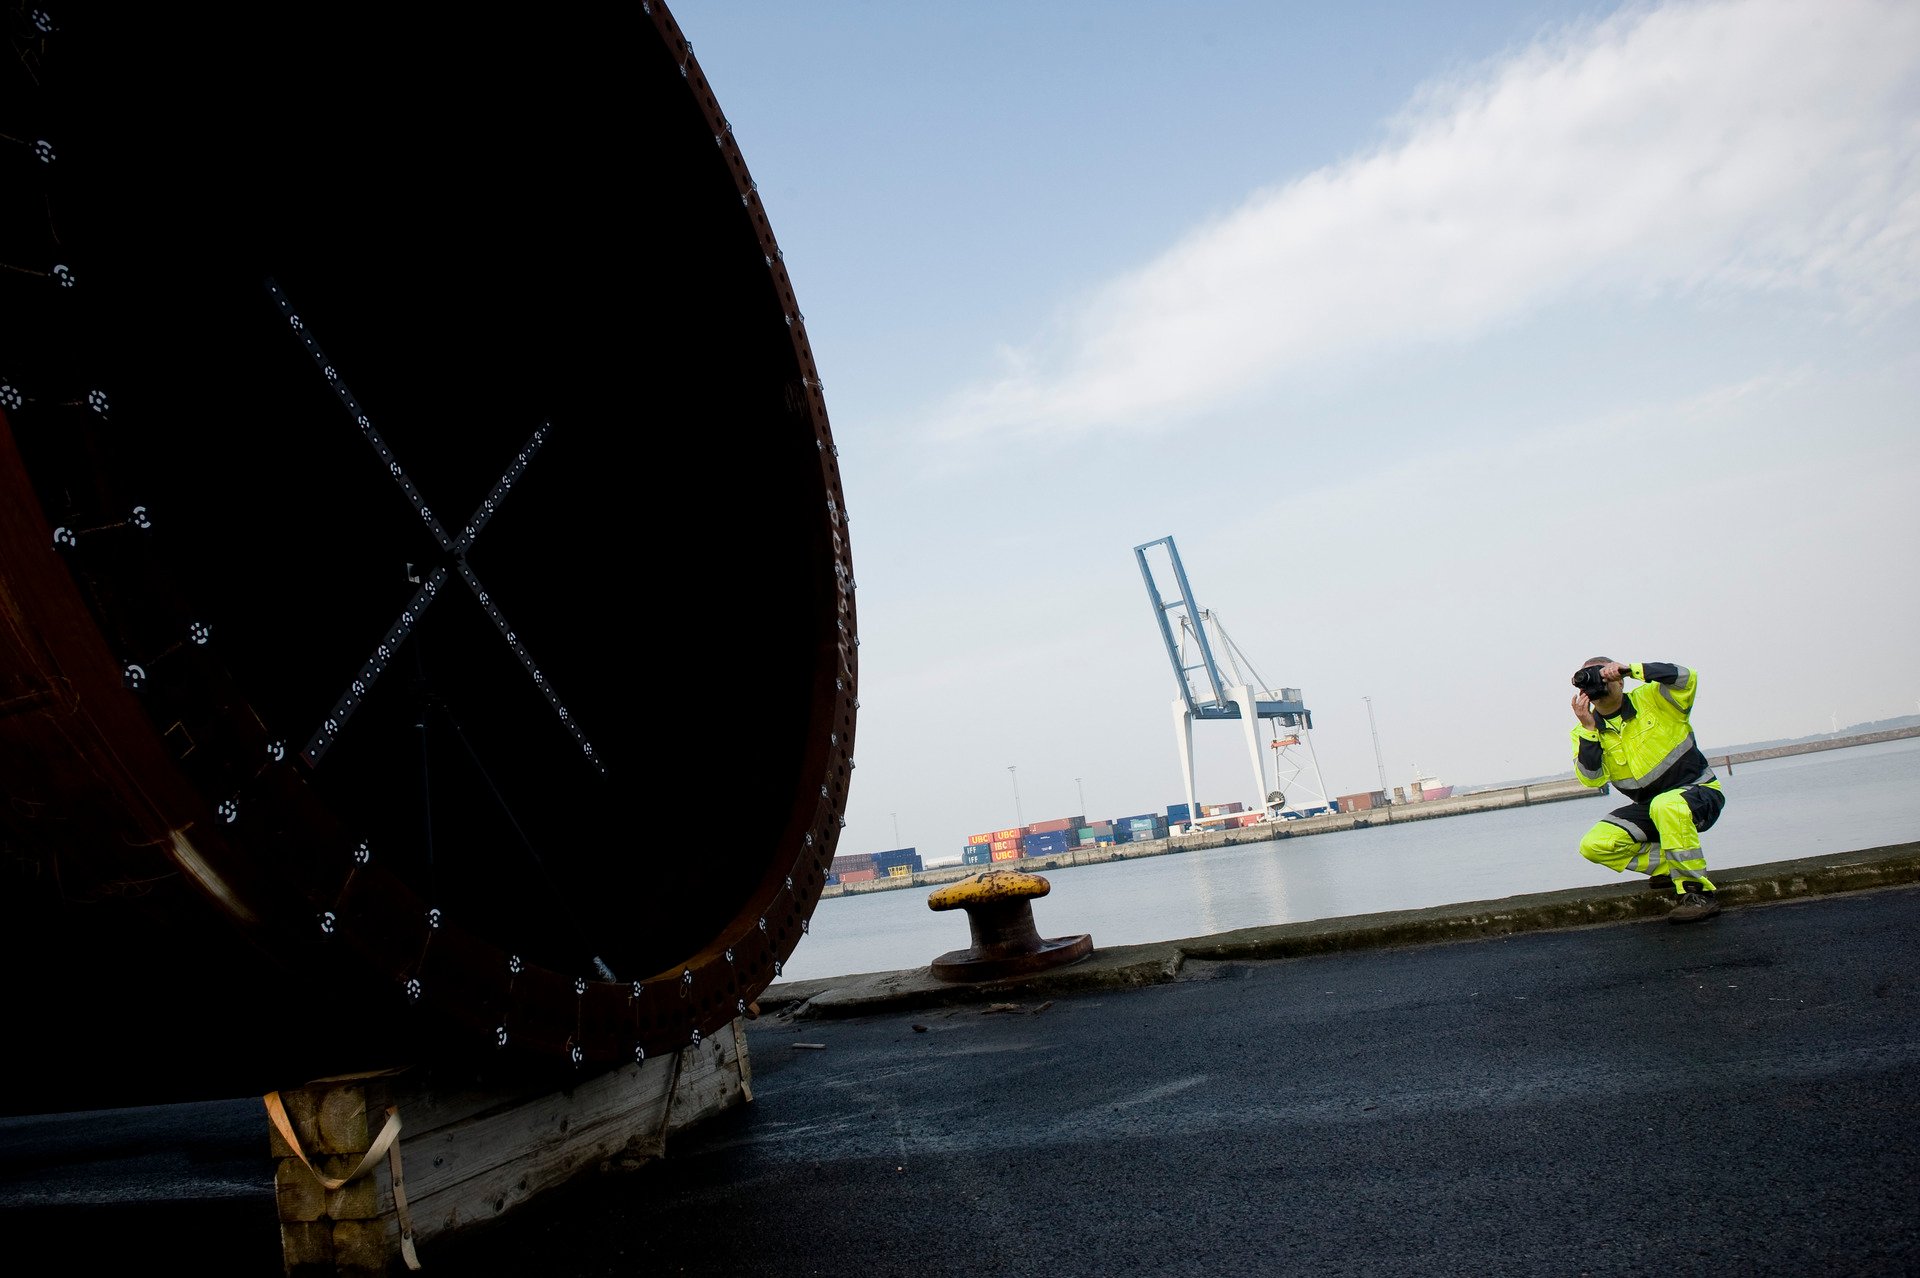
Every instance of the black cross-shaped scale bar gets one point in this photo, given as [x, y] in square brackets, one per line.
[456, 547]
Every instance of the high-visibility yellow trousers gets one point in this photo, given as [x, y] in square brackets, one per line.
[1662, 834]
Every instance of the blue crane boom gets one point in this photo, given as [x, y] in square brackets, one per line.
[1178, 614]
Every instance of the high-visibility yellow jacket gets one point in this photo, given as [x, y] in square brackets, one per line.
[1647, 745]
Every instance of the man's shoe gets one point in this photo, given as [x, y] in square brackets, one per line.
[1660, 882]
[1693, 907]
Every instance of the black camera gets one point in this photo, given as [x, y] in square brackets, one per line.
[1589, 681]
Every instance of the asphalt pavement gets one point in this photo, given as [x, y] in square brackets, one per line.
[1735, 1097]
[1560, 1084]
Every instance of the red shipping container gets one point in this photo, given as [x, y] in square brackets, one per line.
[1056, 825]
[979, 838]
[1011, 854]
[1013, 833]
[859, 876]
[1005, 845]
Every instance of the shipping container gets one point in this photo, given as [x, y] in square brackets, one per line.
[1138, 829]
[1012, 854]
[976, 854]
[884, 861]
[1004, 845]
[980, 838]
[1059, 823]
[1178, 812]
[1013, 833]
[858, 876]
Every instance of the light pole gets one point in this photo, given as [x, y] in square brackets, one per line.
[1376, 745]
[896, 829]
[1083, 795]
[1012, 772]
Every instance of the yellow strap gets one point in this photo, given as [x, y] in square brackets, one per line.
[387, 1142]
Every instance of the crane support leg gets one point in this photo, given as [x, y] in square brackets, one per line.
[1241, 695]
[1183, 739]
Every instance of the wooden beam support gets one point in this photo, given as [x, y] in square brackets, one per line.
[469, 1155]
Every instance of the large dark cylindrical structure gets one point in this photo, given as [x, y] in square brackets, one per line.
[426, 612]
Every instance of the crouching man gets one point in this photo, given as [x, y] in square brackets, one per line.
[1642, 743]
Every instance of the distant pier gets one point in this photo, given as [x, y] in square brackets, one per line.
[1517, 796]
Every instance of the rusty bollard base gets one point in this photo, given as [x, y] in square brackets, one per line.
[1005, 943]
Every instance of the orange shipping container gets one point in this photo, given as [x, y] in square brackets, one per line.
[859, 876]
[979, 838]
[1013, 833]
[1005, 845]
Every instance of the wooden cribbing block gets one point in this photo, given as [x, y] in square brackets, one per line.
[469, 1154]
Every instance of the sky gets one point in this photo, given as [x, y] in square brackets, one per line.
[1452, 344]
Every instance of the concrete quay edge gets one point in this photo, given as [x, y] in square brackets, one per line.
[1122, 966]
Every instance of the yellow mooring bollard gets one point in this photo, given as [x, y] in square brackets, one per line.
[1005, 943]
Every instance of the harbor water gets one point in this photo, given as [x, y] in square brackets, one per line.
[1777, 810]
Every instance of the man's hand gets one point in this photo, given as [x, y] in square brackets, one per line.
[1614, 670]
[1583, 708]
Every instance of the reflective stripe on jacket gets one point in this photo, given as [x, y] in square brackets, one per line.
[1647, 745]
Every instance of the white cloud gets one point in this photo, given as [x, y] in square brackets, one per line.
[1703, 149]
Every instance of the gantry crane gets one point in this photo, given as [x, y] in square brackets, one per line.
[1208, 666]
